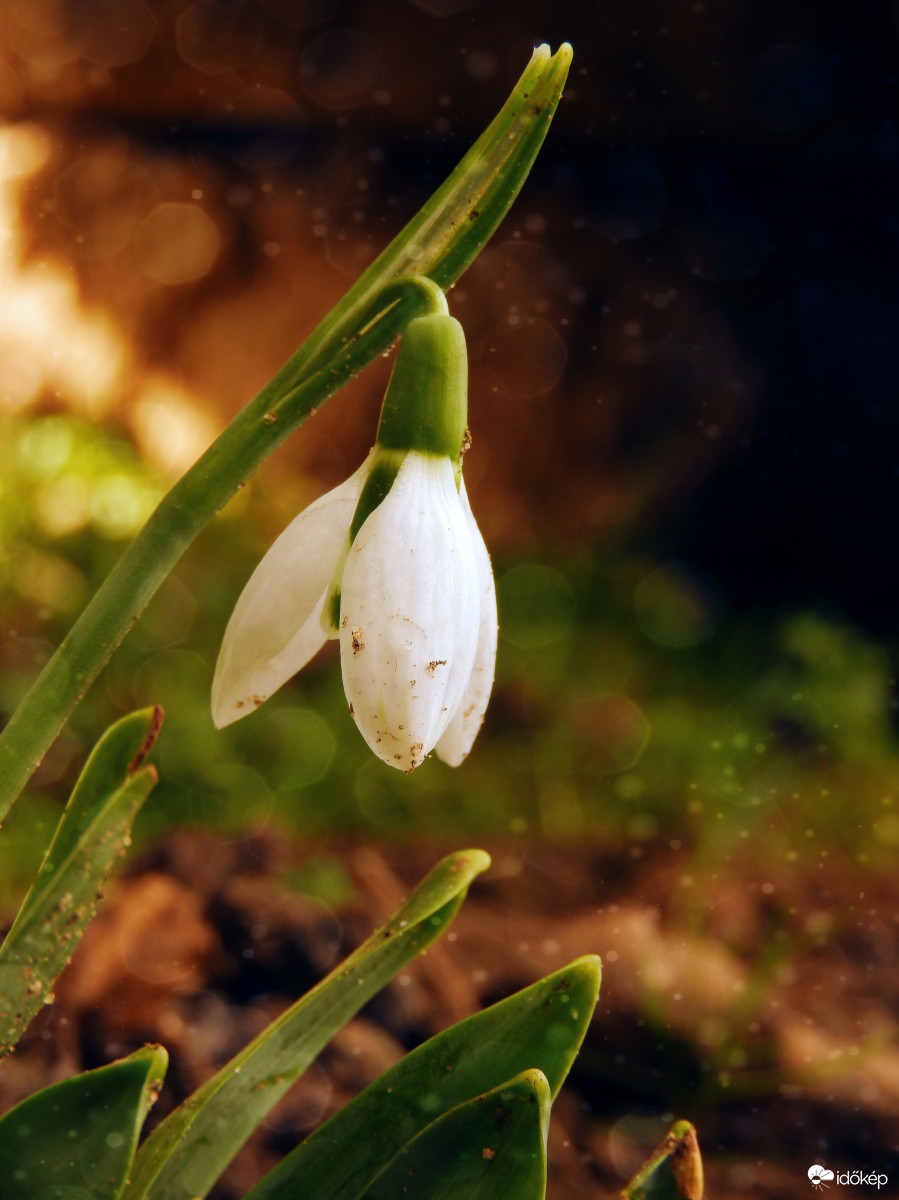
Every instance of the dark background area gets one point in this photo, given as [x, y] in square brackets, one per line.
[719, 201]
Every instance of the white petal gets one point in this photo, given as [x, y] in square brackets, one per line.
[409, 613]
[275, 627]
[462, 730]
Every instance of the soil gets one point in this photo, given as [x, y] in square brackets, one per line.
[762, 1010]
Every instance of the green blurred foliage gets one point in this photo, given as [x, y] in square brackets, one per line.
[629, 703]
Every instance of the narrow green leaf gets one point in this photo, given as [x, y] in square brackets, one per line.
[673, 1171]
[93, 831]
[189, 1150]
[76, 1139]
[490, 1148]
[541, 1026]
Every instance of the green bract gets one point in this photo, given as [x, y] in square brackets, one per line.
[426, 405]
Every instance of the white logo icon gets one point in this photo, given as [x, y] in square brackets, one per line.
[818, 1175]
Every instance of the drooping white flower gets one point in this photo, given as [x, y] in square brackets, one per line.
[392, 563]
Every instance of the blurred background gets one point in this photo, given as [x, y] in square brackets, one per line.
[683, 380]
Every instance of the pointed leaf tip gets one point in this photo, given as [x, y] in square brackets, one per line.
[527, 1041]
[155, 717]
[82, 1129]
[492, 1146]
[186, 1153]
[472, 861]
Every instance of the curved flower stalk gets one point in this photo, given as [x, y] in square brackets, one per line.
[392, 564]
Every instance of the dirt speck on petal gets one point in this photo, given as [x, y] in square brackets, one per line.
[358, 643]
[415, 754]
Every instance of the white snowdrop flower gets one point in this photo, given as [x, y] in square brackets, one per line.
[392, 563]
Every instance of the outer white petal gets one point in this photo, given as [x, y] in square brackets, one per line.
[409, 613]
[462, 730]
[275, 627]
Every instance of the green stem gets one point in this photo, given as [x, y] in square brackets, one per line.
[439, 243]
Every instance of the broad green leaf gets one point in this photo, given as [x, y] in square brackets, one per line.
[189, 1150]
[76, 1139]
[93, 831]
[541, 1026]
[490, 1148]
[673, 1171]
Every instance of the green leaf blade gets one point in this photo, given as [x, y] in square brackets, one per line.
[92, 833]
[189, 1150]
[492, 1147]
[76, 1140]
[540, 1027]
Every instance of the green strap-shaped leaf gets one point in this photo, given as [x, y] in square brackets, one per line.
[490, 1148]
[541, 1026]
[673, 1171]
[191, 1148]
[76, 1139]
[91, 834]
